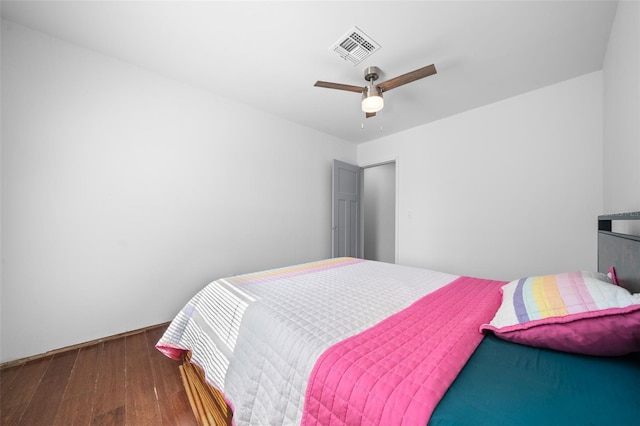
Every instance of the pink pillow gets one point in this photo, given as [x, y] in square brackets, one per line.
[612, 275]
[579, 312]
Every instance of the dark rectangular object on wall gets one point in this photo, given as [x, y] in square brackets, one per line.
[622, 251]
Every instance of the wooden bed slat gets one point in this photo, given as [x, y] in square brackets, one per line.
[187, 388]
[208, 404]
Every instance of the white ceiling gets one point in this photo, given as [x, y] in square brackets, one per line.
[269, 54]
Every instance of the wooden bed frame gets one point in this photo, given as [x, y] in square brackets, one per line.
[207, 403]
[614, 249]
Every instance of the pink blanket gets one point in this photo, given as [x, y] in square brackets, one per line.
[396, 372]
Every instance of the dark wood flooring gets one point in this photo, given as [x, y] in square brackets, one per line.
[124, 381]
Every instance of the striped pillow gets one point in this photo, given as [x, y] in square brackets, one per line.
[580, 312]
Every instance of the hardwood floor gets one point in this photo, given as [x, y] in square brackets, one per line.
[125, 381]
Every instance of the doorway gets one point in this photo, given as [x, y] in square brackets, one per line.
[364, 211]
[379, 212]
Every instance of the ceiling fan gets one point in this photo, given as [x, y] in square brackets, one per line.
[372, 101]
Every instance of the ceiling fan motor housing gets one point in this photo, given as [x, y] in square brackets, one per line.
[371, 73]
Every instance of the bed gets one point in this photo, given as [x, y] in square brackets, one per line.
[349, 341]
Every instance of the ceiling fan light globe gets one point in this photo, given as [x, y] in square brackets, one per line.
[372, 100]
[372, 104]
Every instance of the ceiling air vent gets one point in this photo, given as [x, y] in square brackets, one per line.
[355, 46]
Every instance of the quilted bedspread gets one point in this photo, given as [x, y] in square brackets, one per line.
[396, 372]
[258, 336]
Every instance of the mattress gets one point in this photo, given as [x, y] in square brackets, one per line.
[258, 336]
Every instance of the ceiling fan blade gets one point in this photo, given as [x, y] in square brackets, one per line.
[369, 114]
[408, 78]
[338, 86]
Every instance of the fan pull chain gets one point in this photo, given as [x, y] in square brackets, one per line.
[362, 127]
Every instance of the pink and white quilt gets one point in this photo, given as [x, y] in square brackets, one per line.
[261, 337]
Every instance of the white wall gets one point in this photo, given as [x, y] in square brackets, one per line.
[621, 93]
[505, 190]
[123, 193]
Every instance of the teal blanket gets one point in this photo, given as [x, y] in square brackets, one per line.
[505, 383]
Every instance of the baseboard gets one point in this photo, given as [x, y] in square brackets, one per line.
[21, 361]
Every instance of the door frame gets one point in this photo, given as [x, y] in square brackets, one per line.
[380, 162]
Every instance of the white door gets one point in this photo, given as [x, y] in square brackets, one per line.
[346, 210]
